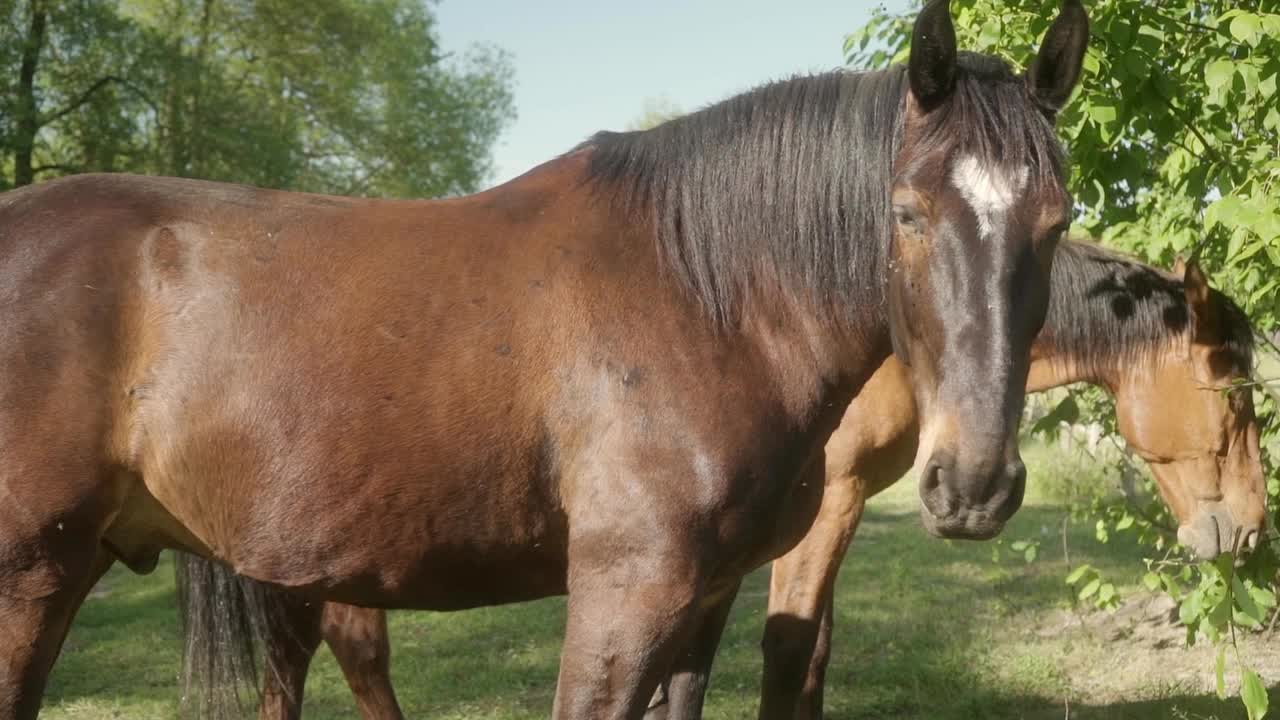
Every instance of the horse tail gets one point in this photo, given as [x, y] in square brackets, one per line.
[225, 619]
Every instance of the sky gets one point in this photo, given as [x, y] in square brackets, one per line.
[587, 65]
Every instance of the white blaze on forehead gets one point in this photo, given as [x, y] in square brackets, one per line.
[990, 193]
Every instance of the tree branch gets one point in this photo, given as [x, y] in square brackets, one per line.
[54, 166]
[1188, 125]
[1187, 23]
[87, 94]
[79, 101]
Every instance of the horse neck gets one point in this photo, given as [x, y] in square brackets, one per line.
[1112, 373]
[816, 365]
[1110, 319]
[1049, 371]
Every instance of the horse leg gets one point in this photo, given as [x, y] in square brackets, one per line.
[686, 688]
[628, 617]
[358, 638]
[45, 575]
[810, 705]
[800, 599]
[291, 640]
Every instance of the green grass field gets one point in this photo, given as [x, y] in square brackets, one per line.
[924, 629]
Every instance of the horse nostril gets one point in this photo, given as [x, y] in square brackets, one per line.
[929, 481]
[1017, 472]
[934, 492]
[1013, 486]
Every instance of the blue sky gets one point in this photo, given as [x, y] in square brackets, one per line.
[588, 65]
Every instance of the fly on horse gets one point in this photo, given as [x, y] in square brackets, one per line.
[1165, 346]
[612, 377]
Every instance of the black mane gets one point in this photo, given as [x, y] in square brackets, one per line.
[1107, 310]
[786, 187]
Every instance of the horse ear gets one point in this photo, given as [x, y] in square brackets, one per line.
[1056, 69]
[931, 68]
[1204, 314]
[1180, 266]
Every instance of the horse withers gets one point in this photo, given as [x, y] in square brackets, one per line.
[611, 377]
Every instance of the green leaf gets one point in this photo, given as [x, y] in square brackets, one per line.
[1152, 581]
[1106, 592]
[1209, 630]
[1249, 74]
[1264, 290]
[1246, 27]
[1272, 120]
[1220, 614]
[990, 34]
[1246, 603]
[1090, 588]
[1078, 573]
[1218, 73]
[1253, 694]
[1219, 674]
[1091, 64]
[1267, 87]
[1263, 596]
[1135, 63]
[1152, 31]
[1125, 522]
[1066, 411]
[1102, 114]
[1190, 609]
[1223, 211]
[1031, 553]
[1121, 33]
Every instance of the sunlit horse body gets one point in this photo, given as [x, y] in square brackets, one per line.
[1164, 346]
[612, 377]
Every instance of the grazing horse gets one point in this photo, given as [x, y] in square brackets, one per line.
[1161, 344]
[612, 377]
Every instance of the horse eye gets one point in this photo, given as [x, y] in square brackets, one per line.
[1057, 234]
[906, 216]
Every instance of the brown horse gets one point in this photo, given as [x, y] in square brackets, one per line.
[1162, 345]
[612, 377]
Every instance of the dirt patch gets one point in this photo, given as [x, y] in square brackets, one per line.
[1144, 653]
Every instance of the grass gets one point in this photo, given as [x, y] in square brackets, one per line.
[924, 629]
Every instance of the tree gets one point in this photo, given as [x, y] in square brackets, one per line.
[347, 96]
[1174, 135]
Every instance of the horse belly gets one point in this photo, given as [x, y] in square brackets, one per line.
[451, 545]
[410, 540]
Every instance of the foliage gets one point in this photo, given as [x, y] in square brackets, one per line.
[1174, 136]
[655, 112]
[340, 96]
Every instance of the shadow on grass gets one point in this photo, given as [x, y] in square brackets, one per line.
[923, 630]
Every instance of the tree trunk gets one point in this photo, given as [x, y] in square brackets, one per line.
[201, 70]
[28, 120]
